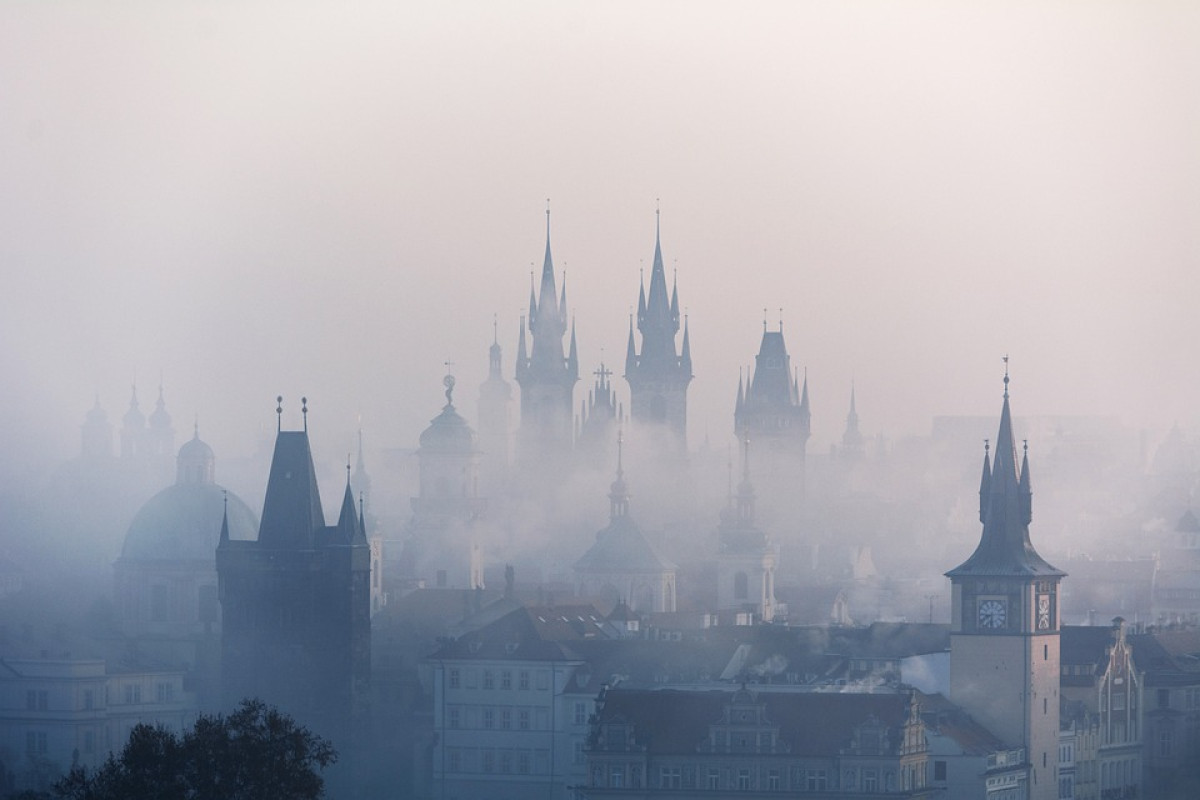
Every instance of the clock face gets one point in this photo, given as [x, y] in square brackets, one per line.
[992, 614]
[1043, 602]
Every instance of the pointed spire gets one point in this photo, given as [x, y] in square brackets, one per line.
[348, 518]
[562, 303]
[547, 288]
[656, 313]
[533, 306]
[1024, 489]
[685, 359]
[675, 300]
[985, 482]
[805, 412]
[573, 355]
[618, 497]
[522, 354]
[224, 518]
[1005, 498]
[741, 394]
[630, 352]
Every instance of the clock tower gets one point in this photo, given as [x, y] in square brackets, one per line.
[1004, 632]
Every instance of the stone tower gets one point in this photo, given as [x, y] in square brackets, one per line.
[295, 603]
[547, 377]
[772, 407]
[1004, 634]
[659, 375]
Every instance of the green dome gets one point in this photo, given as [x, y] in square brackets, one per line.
[183, 522]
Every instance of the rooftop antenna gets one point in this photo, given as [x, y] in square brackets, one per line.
[1006, 376]
[304, 412]
[279, 413]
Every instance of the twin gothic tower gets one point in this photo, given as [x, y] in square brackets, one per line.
[547, 369]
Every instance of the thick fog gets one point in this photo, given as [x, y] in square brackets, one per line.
[238, 201]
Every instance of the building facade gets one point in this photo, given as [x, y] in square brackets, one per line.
[722, 743]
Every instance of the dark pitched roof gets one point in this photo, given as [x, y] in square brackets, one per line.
[947, 719]
[1169, 658]
[526, 634]
[675, 721]
[292, 513]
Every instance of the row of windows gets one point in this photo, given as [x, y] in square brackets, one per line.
[1119, 774]
[457, 678]
[796, 779]
[164, 692]
[497, 718]
[131, 694]
[500, 761]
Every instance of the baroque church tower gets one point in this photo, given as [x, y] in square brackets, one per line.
[546, 377]
[746, 559]
[659, 375]
[1004, 632]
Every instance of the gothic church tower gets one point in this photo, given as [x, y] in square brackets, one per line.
[658, 376]
[1004, 632]
[546, 377]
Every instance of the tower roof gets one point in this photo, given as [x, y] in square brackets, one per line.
[292, 512]
[658, 323]
[1006, 504]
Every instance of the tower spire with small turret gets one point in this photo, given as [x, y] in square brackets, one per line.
[659, 374]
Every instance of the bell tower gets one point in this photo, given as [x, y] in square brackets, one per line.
[1004, 630]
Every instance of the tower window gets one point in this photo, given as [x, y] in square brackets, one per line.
[1045, 652]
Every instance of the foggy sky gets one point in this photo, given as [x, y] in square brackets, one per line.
[334, 199]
